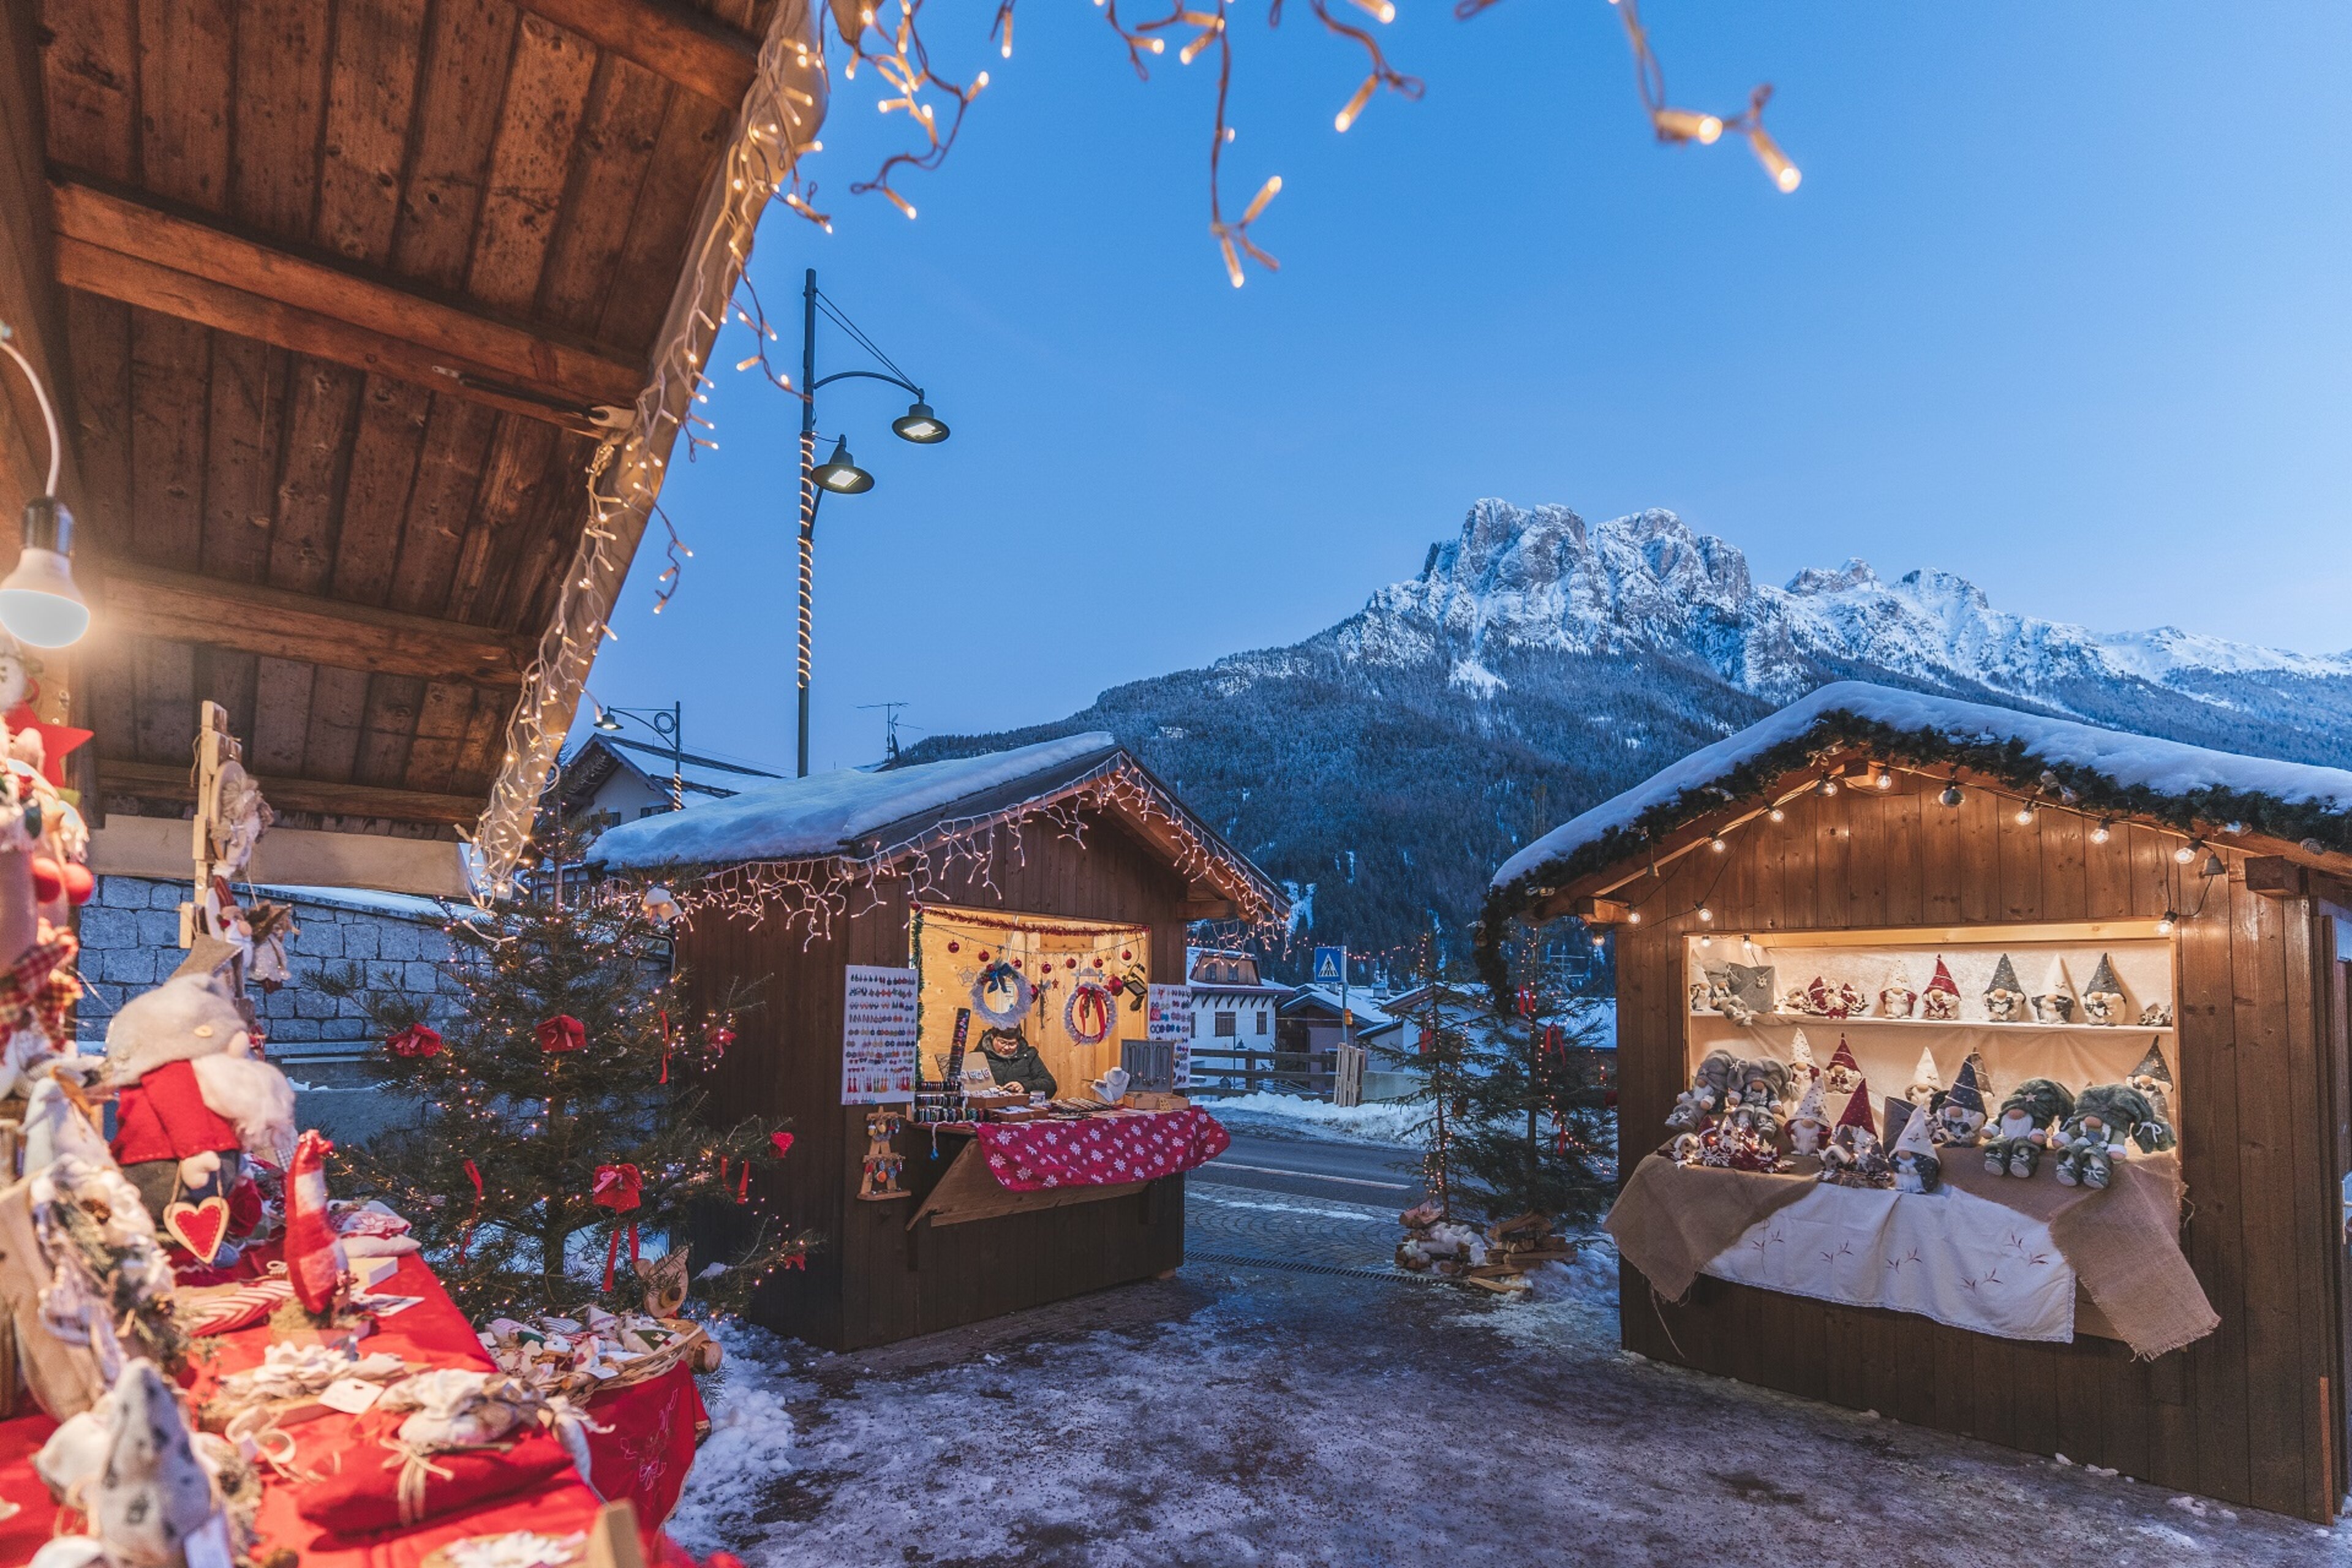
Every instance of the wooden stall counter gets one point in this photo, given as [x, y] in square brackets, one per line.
[1018, 1167]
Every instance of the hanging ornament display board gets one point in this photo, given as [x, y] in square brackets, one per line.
[1072, 989]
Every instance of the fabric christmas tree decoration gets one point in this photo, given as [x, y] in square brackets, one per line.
[1941, 1000]
[1927, 1083]
[2102, 998]
[1917, 1169]
[1845, 1073]
[2004, 996]
[1857, 1113]
[2054, 1002]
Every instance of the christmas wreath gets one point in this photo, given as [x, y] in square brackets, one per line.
[1087, 1014]
[1002, 994]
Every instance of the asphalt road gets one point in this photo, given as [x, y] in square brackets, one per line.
[1311, 1167]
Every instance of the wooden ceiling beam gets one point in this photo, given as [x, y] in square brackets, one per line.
[125, 249]
[179, 606]
[318, 796]
[702, 56]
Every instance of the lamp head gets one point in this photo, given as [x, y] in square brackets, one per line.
[39, 604]
[920, 425]
[605, 720]
[840, 473]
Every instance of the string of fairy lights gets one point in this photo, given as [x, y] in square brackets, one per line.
[2050, 794]
[957, 854]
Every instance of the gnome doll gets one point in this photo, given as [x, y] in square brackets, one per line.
[2027, 1116]
[1803, 1068]
[1927, 1083]
[2153, 1079]
[1917, 1168]
[2004, 997]
[1844, 1075]
[1896, 999]
[191, 1098]
[1959, 1114]
[1852, 1158]
[2054, 1002]
[1810, 1122]
[2102, 998]
[1941, 1000]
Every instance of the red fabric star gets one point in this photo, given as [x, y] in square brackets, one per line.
[57, 740]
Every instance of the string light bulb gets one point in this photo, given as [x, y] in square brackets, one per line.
[2170, 922]
[1827, 787]
[2188, 852]
[1951, 795]
[1785, 175]
[1705, 914]
[1777, 815]
[2025, 813]
[1687, 125]
[1632, 917]
[1885, 778]
[1715, 842]
[2104, 831]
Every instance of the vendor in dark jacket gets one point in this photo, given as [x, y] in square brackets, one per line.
[1014, 1063]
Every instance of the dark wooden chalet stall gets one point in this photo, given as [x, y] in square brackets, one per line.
[786, 885]
[2060, 832]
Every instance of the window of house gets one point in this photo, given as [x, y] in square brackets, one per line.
[1261, 1021]
[1228, 1026]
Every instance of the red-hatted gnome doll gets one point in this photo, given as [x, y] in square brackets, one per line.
[192, 1099]
[1854, 1158]
[1941, 1002]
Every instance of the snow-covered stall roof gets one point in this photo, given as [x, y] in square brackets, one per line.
[860, 820]
[827, 814]
[2296, 802]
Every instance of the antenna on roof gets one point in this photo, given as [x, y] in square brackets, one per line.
[889, 726]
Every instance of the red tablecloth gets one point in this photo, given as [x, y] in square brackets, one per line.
[1100, 1151]
[625, 1460]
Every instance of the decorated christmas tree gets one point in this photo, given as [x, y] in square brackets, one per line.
[564, 1128]
[1536, 1133]
[1437, 1049]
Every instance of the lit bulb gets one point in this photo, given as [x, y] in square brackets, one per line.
[1632, 917]
[2165, 926]
[1705, 913]
[1784, 174]
[1599, 940]
[1687, 125]
[2103, 832]
[1951, 795]
[1777, 815]
[1884, 779]
[2188, 851]
[1828, 787]
[1716, 843]
[2026, 815]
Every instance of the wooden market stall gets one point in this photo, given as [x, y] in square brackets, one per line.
[1872, 869]
[1045, 891]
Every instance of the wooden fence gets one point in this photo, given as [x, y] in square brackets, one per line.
[1222, 1072]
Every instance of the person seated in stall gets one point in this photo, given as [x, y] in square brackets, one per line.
[1014, 1063]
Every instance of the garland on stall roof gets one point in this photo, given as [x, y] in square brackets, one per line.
[2009, 762]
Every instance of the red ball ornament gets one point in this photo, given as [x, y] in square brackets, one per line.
[955, 947]
[1016, 964]
[1069, 963]
[80, 883]
[48, 881]
[983, 955]
[1126, 955]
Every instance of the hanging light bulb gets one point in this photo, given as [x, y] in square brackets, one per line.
[1715, 842]
[1885, 778]
[1951, 795]
[39, 601]
[1599, 941]
[1777, 815]
[2166, 926]
[1632, 917]
[1705, 913]
[2025, 813]
[1828, 787]
[2104, 831]
[2188, 851]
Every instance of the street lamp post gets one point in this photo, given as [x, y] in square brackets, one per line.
[670, 723]
[839, 473]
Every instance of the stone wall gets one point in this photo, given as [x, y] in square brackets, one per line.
[131, 940]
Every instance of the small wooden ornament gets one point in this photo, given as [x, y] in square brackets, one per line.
[199, 1227]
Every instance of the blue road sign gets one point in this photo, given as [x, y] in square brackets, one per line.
[1331, 964]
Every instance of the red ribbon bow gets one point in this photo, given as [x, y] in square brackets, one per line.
[416, 1040]
[473, 1174]
[562, 1033]
[618, 1188]
[783, 1142]
[665, 1023]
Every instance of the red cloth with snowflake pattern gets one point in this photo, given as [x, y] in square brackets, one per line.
[646, 1454]
[1100, 1151]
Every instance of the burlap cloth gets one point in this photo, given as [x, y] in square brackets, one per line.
[2123, 1243]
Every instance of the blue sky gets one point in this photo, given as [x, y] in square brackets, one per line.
[2060, 306]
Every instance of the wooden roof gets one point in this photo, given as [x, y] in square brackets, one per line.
[338, 294]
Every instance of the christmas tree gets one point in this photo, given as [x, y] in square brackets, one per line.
[1537, 1133]
[1438, 1053]
[562, 1122]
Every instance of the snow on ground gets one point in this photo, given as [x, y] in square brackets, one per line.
[1265, 1112]
[1245, 1416]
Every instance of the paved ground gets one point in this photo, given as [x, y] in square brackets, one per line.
[1243, 1415]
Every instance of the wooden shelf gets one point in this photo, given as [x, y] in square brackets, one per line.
[1802, 1018]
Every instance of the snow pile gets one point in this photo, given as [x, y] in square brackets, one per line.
[748, 1448]
[824, 814]
[2166, 767]
[1375, 1123]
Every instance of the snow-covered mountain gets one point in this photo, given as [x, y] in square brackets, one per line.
[1538, 663]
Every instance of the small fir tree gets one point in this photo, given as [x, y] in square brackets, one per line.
[1439, 1053]
[543, 1113]
[1536, 1133]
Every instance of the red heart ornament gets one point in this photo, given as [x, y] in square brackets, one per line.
[199, 1227]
